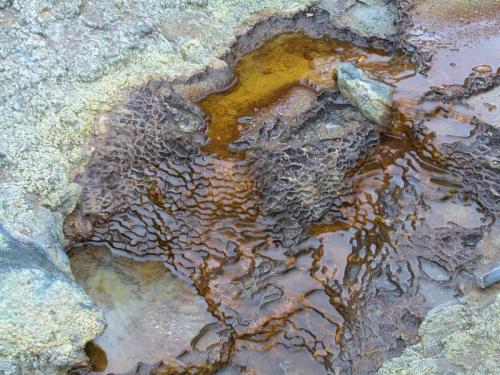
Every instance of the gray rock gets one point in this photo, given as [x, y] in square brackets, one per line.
[459, 338]
[372, 98]
[5, 3]
[45, 318]
[488, 275]
[434, 270]
[40, 225]
[368, 18]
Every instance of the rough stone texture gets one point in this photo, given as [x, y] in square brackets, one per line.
[199, 213]
[5, 3]
[155, 130]
[454, 38]
[41, 225]
[73, 59]
[424, 262]
[300, 162]
[45, 318]
[462, 338]
[64, 62]
[373, 99]
[477, 160]
[149, 191]
[371, 18]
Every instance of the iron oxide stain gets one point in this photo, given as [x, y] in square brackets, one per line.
[267, 74]
[353, 292]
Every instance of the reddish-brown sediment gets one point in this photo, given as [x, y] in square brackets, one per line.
[352, 293]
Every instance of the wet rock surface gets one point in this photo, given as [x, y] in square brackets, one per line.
[404, 230]
[465, 140]
[300, 163]
[474, 157]
[449, 39]
[481, 79]
[485, 106]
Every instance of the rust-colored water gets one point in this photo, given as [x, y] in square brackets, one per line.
[314, 310]
[266, 74]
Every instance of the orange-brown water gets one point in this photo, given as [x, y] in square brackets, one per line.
[297, 313]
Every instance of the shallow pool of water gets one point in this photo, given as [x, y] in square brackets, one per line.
[340, 307]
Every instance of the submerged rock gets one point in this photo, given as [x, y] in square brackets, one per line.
[210, 351]
[45, 318]
[151, 313]
[480, 80]
[461, 338]
[372, 98]
[300, 161]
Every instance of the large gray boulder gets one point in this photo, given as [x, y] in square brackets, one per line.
[372, 98]
[45, 317]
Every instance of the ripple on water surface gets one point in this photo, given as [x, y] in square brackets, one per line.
[340, 304]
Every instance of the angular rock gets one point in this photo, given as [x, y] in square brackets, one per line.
[45, 318]
[488, 275]
[372, 98]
